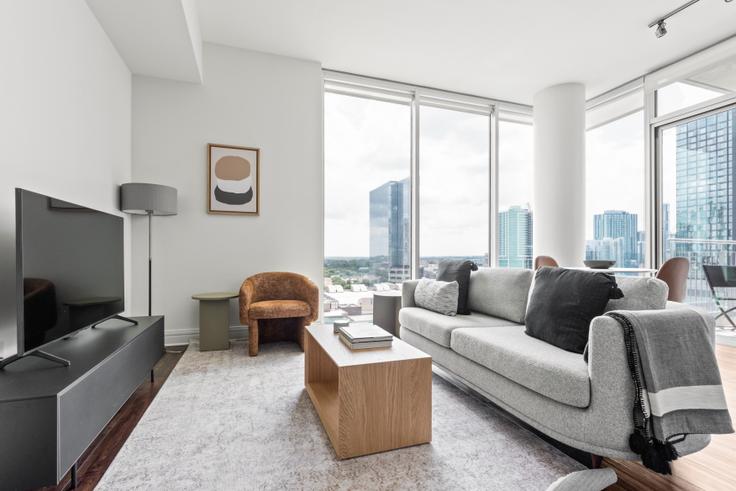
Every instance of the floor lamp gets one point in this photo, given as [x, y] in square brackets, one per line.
[140, 198]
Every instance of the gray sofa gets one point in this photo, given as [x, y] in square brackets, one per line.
[585, 405]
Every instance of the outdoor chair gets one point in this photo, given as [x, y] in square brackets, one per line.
[721, 277]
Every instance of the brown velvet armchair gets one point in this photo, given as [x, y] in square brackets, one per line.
[277, 307]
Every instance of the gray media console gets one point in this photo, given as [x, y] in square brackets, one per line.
[50, 414]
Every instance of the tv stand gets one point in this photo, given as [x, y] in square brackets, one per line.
[133, 322]
[37, 353]
[49, 417]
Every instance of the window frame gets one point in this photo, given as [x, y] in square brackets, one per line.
[416, 96]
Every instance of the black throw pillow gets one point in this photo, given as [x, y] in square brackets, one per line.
[458, 270]
[564, 301]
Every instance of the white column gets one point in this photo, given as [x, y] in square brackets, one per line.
[559, 173]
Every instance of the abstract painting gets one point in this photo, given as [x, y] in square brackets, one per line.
[234, 173]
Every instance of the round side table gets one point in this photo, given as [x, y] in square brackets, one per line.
[214, 320]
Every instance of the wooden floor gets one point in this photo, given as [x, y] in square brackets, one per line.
[95, 461]
[713, 468]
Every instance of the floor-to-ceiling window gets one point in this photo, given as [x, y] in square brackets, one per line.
[515, 235]
[409, 182]
[615, 191]
[367, 200]
[454, 178]
[694, 140]
[698, 163]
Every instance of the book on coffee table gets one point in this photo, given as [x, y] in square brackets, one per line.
[364, 336]
[364, 344]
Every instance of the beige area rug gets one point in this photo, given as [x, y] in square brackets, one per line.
[226, 421]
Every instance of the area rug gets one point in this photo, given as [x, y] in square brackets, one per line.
[226, 421]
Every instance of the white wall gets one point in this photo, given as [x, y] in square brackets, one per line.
[559, 173]
[247, 99]
[65, 116]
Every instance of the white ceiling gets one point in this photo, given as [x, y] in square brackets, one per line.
[495, 48]
[158, 38]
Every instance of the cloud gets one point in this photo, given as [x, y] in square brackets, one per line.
[367, 143]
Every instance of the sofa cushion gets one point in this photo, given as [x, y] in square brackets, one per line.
[458, 270]
[439, 296]
[500, 292]
[539, 366]
[438, 328]
[564, 301]
[640, 294]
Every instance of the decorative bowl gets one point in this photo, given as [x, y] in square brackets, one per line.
[599, 263]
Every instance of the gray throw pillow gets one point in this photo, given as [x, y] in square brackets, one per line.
[640, 294]
[438, 296]
[500, 292]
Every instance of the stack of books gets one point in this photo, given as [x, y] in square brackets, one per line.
[364, 336]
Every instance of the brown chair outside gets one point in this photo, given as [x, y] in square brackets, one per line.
[540, 261]
[277, 307]
[674, 273]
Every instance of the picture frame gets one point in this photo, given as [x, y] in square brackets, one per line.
[233, 180]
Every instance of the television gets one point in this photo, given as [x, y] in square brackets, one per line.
[70, 268]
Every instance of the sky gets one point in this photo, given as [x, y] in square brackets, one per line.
[367, 143]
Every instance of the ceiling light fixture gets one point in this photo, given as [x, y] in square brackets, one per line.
[661, 28]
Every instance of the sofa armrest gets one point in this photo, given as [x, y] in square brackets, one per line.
[407, 293]
[607, 358]
[612, 392]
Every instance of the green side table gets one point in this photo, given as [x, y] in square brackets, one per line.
[214, 320]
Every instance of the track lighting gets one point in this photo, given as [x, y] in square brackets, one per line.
[661, 29]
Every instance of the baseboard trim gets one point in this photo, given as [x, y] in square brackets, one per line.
[178, 337]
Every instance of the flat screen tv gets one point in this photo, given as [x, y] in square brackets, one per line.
[70, 268]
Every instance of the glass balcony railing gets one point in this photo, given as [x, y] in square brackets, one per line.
[700, 252]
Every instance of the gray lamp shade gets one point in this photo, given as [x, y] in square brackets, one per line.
[141, 198]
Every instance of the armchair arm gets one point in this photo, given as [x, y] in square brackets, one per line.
[407, 293]
[247, 296]
[309, 292]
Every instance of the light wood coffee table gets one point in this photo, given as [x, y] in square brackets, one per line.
[368, 400]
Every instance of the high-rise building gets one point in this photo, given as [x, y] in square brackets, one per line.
[704, 195]
[515, 237]
[390, 230]
[615, 224]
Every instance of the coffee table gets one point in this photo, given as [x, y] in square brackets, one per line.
[368, 400]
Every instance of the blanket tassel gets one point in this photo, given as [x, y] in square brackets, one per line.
[655, 455]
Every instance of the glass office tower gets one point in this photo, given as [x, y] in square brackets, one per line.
[704, 197]
[390, 234]
[515, 238]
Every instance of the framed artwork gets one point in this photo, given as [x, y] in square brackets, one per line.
[234, 174]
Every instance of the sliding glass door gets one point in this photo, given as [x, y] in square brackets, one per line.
[698, 188]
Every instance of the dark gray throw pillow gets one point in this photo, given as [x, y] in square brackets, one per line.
[564, 301]
[458, 270]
